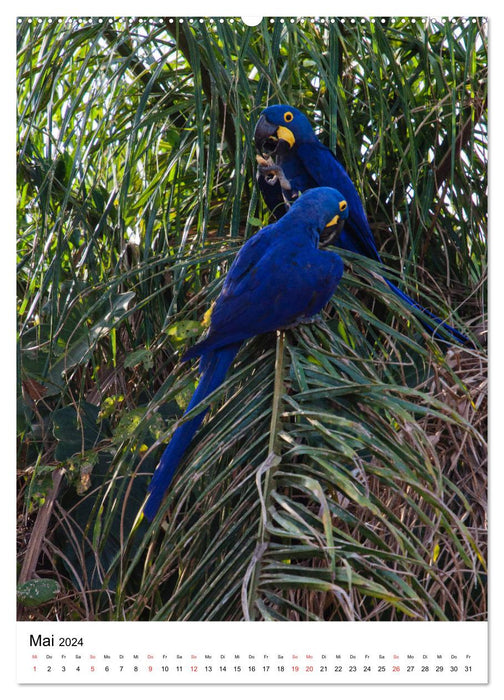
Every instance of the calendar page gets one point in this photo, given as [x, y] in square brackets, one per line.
[252, 327]
[219, 652]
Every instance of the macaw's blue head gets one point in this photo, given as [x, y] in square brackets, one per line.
[322, 208]
[279, 128]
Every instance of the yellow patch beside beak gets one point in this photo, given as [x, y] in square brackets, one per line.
[333, 221]
[286, 135]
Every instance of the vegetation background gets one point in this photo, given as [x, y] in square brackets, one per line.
[341, 473]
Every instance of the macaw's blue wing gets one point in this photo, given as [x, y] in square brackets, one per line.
[322, 166]
[278, 278]
[275, 282]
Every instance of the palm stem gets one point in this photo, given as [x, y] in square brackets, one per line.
[268, 468]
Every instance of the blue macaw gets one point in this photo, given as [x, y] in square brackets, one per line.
[279, 278]
[292, 160]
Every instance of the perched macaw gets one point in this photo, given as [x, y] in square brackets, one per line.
[279, 278]
[292, 160]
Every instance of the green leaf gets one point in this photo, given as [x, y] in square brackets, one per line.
[183, 330]
[76, 431]
[37, 592]
[142, 355]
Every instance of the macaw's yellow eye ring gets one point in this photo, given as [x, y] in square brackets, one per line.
[342, 205]
[288, 117]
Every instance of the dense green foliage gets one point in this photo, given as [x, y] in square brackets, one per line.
[341, 473]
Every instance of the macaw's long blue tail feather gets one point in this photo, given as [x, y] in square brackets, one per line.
[436, 322]
[213, 367]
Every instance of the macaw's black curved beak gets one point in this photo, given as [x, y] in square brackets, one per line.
[267, 141]
[265, 136]
[331, 233]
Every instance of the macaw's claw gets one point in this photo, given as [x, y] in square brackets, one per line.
[264, 161]
[272, 172]
[304, 320]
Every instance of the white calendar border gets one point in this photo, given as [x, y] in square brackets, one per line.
[295, 8]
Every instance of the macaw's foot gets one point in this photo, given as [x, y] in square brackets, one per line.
[304, 320]
[272, 172]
